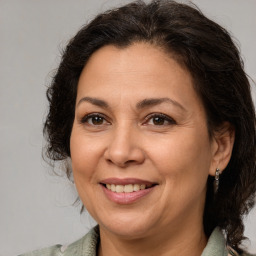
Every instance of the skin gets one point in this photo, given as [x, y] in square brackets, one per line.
[176, 154]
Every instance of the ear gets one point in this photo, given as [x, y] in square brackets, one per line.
[222, 146]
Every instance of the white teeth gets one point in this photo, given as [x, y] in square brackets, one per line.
[128, 188]
[142, 186]
[125, 188]
[113, 187]
[136, 187]
[119, 188]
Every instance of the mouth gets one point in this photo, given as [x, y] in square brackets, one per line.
[128, 188]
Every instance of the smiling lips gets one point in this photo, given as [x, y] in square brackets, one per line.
[125, 188]
[126, 191]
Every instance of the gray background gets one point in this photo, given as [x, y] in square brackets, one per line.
[35, 205]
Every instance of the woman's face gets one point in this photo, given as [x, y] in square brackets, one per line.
[140, 148]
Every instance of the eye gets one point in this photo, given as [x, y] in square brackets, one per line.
[159, 120]
[94, 120]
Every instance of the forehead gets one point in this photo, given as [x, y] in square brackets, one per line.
[137, 71]
[139, 57]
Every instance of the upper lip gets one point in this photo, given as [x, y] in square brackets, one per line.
[127, 181]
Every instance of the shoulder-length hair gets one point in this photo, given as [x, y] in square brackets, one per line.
[207, 51]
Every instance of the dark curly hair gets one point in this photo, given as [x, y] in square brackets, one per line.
[209, 54]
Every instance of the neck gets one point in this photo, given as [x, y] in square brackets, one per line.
[190, 241]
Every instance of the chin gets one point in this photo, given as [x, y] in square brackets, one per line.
[128, 228]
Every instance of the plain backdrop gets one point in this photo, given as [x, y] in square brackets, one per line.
[36, 206]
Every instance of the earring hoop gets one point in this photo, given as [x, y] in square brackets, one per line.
[216, 180]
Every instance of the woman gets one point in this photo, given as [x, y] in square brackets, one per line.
[152, 105]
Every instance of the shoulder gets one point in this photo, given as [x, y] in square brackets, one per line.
[248, 254]
[86, 246]
[53, 250]
[217, 246]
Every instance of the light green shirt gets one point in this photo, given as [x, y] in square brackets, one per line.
[87, 246]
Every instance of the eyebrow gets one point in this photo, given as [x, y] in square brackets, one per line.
[94, 101]
[140, 105]
[156, 101]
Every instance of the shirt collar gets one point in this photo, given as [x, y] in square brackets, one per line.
[216, 244]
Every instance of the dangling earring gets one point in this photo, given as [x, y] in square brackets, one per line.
[216, 180]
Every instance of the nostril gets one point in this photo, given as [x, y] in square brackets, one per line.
[121, 164]
[130, 161]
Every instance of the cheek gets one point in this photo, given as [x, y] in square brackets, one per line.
[85, 154]
[183, 159]
[85, 157]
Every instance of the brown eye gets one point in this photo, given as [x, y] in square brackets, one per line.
[97, 120]
[160, 120]
[94, 120]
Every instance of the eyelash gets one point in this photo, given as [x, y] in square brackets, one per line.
[170, 120]
[87, 117]
[164, 117]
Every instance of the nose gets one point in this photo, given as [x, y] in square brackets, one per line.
[125, 148]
